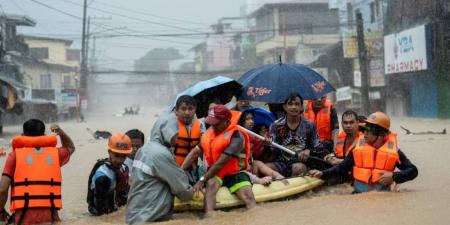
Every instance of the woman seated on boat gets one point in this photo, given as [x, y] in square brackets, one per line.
[258, 148]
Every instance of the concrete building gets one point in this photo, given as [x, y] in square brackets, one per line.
[51, 63]
[12, 89]
[416, 57]
[293, 29]
[348, 89]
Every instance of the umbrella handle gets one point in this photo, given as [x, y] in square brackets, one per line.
[263, 138]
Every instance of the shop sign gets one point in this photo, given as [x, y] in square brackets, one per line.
[406, 51]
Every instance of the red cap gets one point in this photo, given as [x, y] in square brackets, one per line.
[217, 114]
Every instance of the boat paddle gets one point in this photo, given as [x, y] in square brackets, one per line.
[289, 151]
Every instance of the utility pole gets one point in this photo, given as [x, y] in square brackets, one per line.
[83, 69]
[86, 45]
[363, 65]
[93, 59]
[284, 38]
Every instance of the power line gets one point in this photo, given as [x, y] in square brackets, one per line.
[58, 10]
[131, 17]
[164, 72]
[120, 33]
[153, 15]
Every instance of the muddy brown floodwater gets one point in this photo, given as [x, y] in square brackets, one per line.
[426, 200]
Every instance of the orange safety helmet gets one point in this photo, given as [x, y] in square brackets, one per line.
[120, 143]
[380, 119]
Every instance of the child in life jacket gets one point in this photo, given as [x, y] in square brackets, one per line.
[258, 172]
[108, 182]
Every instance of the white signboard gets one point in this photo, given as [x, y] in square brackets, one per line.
[405, 51]
[343, 94]
[357, 78]
[376, 73]
[374, 95]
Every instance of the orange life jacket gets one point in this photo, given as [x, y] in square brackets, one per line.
[322, 120]
[187, 140]
[340, 145]
[214, 145]
[372, 163]
[37, 176]
[235, 116]
[36, 142]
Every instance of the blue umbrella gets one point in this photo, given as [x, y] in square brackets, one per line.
[273, 83]
[260, 116]
[220, 87]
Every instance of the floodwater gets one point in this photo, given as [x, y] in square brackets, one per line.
[426, 200]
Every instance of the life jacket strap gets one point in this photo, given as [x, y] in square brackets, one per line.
[25, 208]
[27, 197]
[181, 154]
[36, 182]
[188, 139]
[52, 207]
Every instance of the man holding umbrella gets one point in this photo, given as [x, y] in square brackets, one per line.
[322, 113]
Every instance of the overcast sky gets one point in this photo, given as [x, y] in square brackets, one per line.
[135, 17]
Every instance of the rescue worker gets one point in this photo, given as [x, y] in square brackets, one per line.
[347, 137]
[226, 150]
[374, 159]
[156, 177]
[33, 170]
[322, 113]
[190, 130]
[189, 127]
[108, 181]
[137, 141]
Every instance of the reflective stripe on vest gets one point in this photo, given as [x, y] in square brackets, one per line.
[186, 140]
[322, 120]
[340, 145]
[37, 178]
[214, 145]
[372, 163]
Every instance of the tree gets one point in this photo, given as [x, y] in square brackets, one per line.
[157, 59]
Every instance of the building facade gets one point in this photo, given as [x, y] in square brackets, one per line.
[51, 64]
[417, 40]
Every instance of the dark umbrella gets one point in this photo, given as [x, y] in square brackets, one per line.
[220, 87]
[273, 83]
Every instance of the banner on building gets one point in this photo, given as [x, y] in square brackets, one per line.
[406, 51]
[377, 73]
[373, 40]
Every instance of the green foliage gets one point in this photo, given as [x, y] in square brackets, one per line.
[157, 59]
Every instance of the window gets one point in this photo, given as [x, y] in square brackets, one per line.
[66, 82]
[46, 81]
[39, 53]
[73, 55]
[372, 12]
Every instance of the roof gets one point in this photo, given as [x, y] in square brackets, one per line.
[30, 37]
[13, 83]
[18, 20]
[265, 7]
